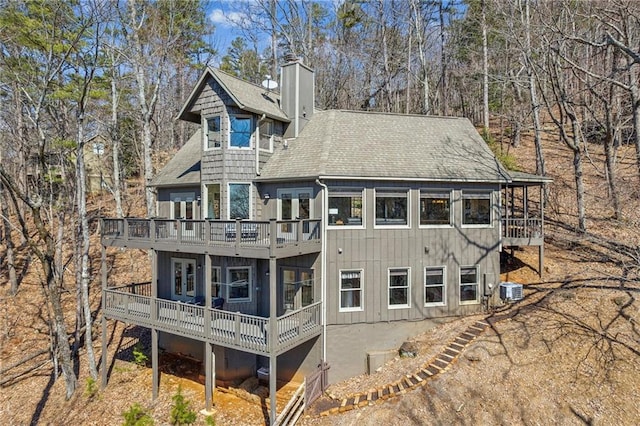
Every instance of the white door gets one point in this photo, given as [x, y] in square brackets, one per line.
[183, 208]
[297, 288]
[183, 272]
[294, 204]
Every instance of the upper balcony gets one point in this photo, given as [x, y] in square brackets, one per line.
[243, 238]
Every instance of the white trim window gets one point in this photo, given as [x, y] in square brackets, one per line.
[434, 286]
[240, 131]
[239, 283]
[213, 134]
[435, 208]
[239, 200]
[392, 207]
[266, 132]
[346, 207]
[476, 209]
[399, 285]
[351, 290]
[469, 293]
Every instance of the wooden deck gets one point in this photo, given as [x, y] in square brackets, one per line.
[253, 239]
[229, 329]
[522, 232]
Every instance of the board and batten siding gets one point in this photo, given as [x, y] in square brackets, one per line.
[375, 250]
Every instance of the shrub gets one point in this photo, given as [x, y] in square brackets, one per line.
[136, 416]
[181, 412]
[91, 388]
[139, 357]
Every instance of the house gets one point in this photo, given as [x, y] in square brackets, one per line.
[98, 164]
[289, 238]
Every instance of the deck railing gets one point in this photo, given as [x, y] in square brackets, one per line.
[232, 329]
[522, 228]
[243, 233]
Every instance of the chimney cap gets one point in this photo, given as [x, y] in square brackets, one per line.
[291, 57]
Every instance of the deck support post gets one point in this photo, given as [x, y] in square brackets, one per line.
[210, 375]
[104, 352]
[273, 337]
[154, 364]
[103, 267]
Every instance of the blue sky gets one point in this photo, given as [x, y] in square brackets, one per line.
[223, 14]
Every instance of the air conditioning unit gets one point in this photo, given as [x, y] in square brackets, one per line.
[511, 291]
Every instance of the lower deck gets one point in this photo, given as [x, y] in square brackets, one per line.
[233, 330]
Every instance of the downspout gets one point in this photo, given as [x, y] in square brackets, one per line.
[323, 259]
[258, 144]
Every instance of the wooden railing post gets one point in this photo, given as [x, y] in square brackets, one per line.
[207, 232]
[299, 231]
[125, 230]
[238, 235]
[152, 229]
[179, 230]
[273, 236]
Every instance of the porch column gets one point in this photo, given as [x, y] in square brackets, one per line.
[154, 286]
[209, 357]
[543, 191]
[103, 260]
[273, 336]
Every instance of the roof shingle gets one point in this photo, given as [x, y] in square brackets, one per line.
[353, 144]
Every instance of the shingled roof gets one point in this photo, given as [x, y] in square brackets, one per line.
[245, 95]
[184, 168]
[352, 144]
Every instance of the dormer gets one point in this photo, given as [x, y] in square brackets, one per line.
[233, 113]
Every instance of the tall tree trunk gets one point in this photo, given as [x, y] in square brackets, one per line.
[443, 63]
[84, 242]
[8, 238]
[634, 92]
[535, 105]
[115, 147]
[485, 66]
[54, 296]
[147, 105]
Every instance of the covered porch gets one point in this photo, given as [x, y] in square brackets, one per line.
[271, 332]
[522, 209]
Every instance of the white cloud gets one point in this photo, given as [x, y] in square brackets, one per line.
[227, 18]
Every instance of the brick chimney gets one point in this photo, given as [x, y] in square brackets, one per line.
[297, 92]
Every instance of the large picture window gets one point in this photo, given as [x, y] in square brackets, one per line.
[213, 133]
[351, 290]
[345, 207]
[476, 208]
[239, 282]
[434, 286]
[391, 207]
[240, 132]
[468, 284]
[239, 201]
[399, 288]
[435, 208]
